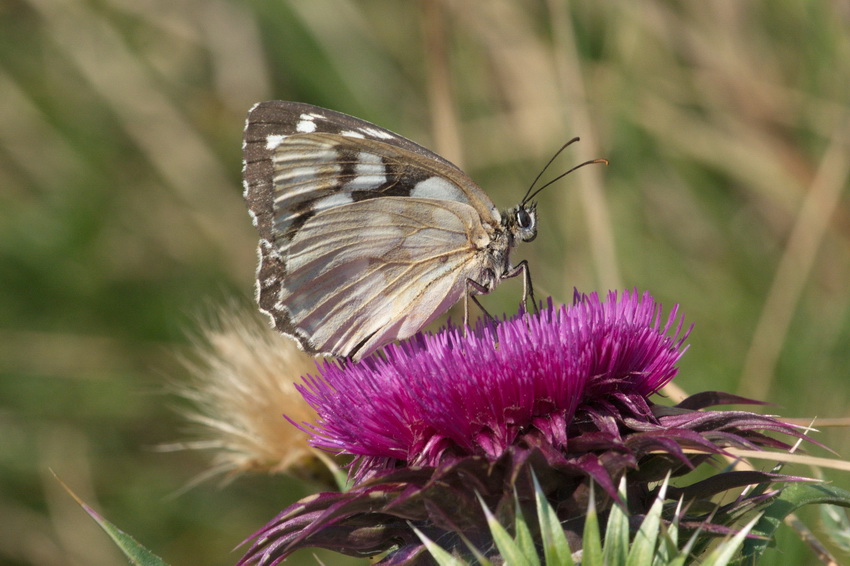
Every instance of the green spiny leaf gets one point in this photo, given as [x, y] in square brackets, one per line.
[592, 541]
[138, 554]
[508, 548]
[440, 556]
[643, 547]
[617, 532]
[668, 548]
[792, 497]
[524, 539]
[556, 549]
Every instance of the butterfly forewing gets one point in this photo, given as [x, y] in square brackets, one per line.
[365, 236]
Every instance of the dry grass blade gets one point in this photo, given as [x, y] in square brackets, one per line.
[792, 273]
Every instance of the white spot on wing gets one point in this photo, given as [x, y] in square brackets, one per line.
[377, 133]
[439, 188]
[274, 140]
[352, 134]
[370, 173]
[306, 124]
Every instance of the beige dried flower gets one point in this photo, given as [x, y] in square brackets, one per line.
[243, 374]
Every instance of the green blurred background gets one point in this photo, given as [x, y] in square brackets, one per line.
[727, 127]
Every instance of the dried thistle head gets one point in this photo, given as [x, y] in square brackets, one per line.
[242, 375]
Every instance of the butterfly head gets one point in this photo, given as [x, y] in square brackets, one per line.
[521, 222]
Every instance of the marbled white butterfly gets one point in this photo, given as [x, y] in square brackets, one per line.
[365, 236]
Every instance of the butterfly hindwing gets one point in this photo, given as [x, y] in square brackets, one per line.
[365, 236]
[347, 292]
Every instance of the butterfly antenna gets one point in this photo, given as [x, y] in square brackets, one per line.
[526, 198]
[562, 175]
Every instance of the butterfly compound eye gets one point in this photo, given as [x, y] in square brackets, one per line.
[523, 218]
[525, 223]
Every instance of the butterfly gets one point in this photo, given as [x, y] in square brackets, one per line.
[366, 236]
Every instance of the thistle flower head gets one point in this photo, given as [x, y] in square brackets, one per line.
[437, 398]
[562, 395]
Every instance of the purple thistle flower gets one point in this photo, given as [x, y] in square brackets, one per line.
[561, 395]
[436, 398]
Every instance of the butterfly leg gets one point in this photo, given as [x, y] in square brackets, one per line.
[527, 287]
[473, 288]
